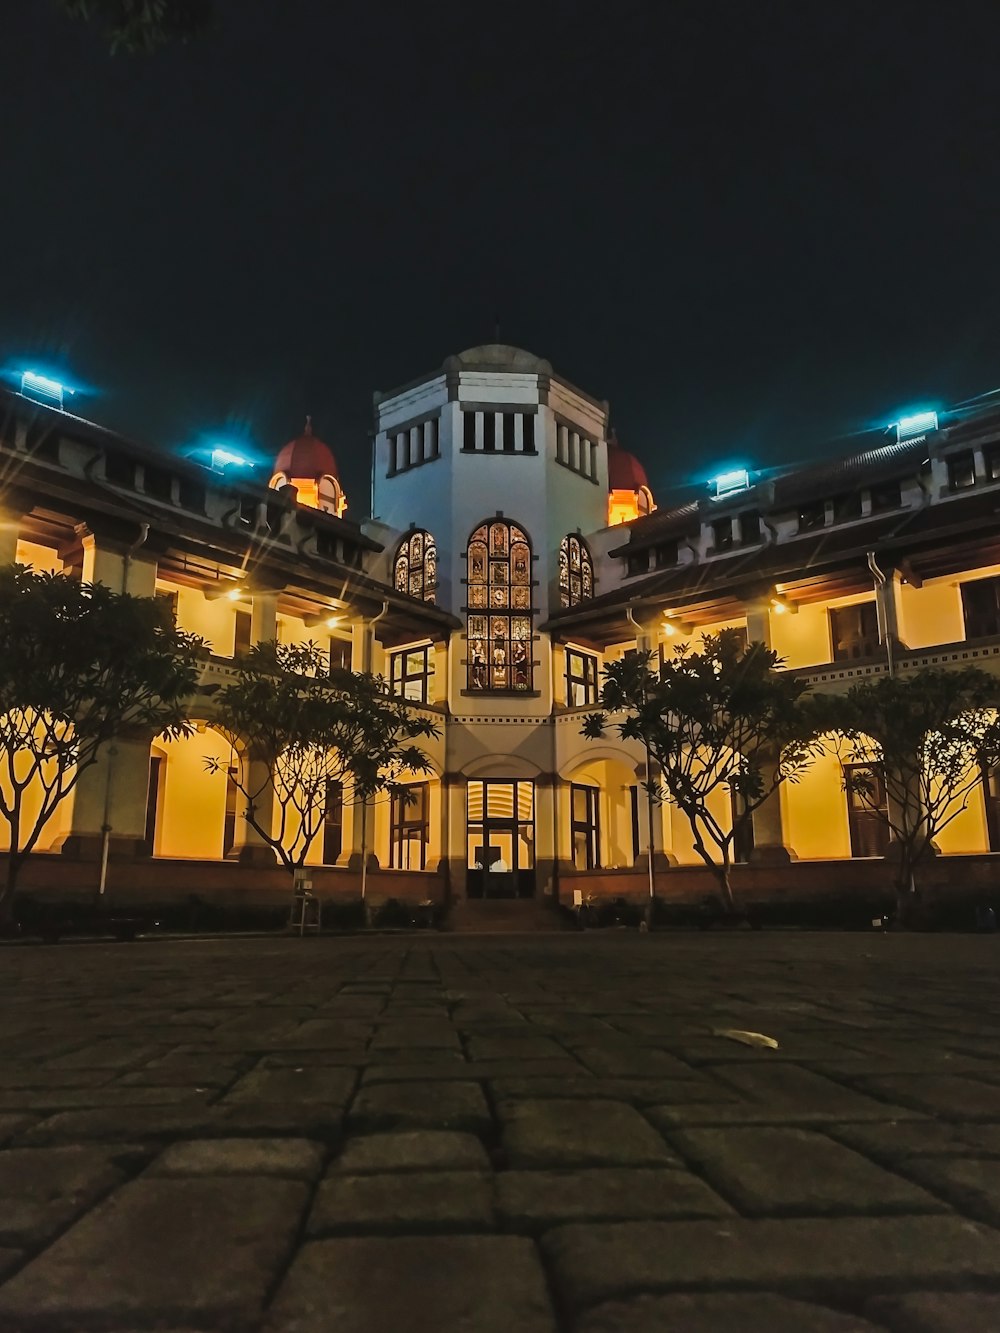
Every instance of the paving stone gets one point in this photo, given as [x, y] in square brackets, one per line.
[123, 1123]
[287, 1119]
[938, 1312]
[602, 1261]
[972, 1184]
[554, 1133]
[896, 1141]
[448, 1201]
[308, 1083]
[446, 1284]
[294, 1159]
[163, 1249]
[12, 1125]
[515, 1048]
[630, 1061]
[44, 1189]
[746, 1312]
[413, 1105]
[801, 1089]
[536, 1200]
[948, 1095]
[416, 1150]
[754, 1113]
[64, 1099]
[796, 1171]
[414, 1036]
[640, 1091]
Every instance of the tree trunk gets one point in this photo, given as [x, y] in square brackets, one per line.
[9, 889]
[725, 884]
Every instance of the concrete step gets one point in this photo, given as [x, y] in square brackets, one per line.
[503, 916]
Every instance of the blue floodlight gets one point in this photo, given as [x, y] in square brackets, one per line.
[41, 388]
[222, 458]
[916, 426]
[727, 483]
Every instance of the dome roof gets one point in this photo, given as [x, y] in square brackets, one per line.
[307, 456]
[625, 472]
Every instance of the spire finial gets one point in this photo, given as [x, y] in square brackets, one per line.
[309, 425]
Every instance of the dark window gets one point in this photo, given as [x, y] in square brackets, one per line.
[749, 529]
[500, 824]
[333, 822]
[41, 441]
[169, 601]
[981, 608]
[813, 516]
[636, 562]
[248, 511]
[961, 471]
[153, 799]
[499, 627]
[991, 457]
[847, 507]
[119, 470]
[528, 432]
[633, 795]
[241, 641]
[489, 431]
[854, 630]
[509, 421]
[415, 570]
[339, 655]
[326, 545]
[665, 554]
[469, 426]
[585, 826]
[722, 534]
[742, 828]
[410, 673]
[157, 483]
[232, 801]
[191, 495]
[433, 444]
[581, 678]
[408, 828]
[886, 496]
[576, 571]
[867, 810]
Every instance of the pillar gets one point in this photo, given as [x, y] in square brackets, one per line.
[263, 617]
[112, 792]
[249, 848]
[454, 840]
[12, 511]
[888, 601]
[651, 822]
[759, 621]
[546, 851]
[116, 563]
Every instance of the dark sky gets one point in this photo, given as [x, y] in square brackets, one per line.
[751, 225]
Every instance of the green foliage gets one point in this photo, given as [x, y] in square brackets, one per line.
[303, 726]
[78, 664]
[722, 718]
[927, 736]
[138, 27]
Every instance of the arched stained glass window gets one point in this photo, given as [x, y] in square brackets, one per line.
[576, 571]
[416, 565]
[499, 586]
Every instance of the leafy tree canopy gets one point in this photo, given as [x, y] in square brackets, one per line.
[307, 725]
[722, 718]
[141, 26]
[78, 663]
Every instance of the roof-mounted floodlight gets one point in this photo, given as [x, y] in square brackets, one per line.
[42, 389]
[916, 427]
[726, 483]
[223, 458]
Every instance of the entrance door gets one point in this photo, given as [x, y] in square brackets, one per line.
[501, 840]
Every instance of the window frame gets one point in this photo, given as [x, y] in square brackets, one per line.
[499, 627]
[416, 553]
[574, 581]
[399, 679]
[402, 823]
[583, 679]
[589, 827]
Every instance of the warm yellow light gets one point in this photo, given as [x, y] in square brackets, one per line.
[668, 628]
[235, 594]
[333, 621]
[778, 605]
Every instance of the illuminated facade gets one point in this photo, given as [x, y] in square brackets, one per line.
[513, 549]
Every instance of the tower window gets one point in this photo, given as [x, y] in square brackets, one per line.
[500, 620]
[416, 566]
[576, 571]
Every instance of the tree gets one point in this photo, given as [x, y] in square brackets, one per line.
[301, 726]
[78, 664]
[141, 26]
[923, 740]
[722, 719]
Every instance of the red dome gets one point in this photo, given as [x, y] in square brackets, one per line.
[307, 456]
[625, 472]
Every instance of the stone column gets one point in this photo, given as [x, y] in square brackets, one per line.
[768, 830]
[651, 819]
[546, 835]
[454, 860]
[13, 509]
[263, 617]
[112, 793]
[249, 848]
[759, 621]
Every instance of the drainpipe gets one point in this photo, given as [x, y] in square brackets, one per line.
[641, 633]
[109, 777]
[366, 665]
[883, 618]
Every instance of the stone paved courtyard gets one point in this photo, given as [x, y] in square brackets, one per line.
[495, 1135]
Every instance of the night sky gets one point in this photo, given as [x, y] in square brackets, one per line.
[752, 226]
